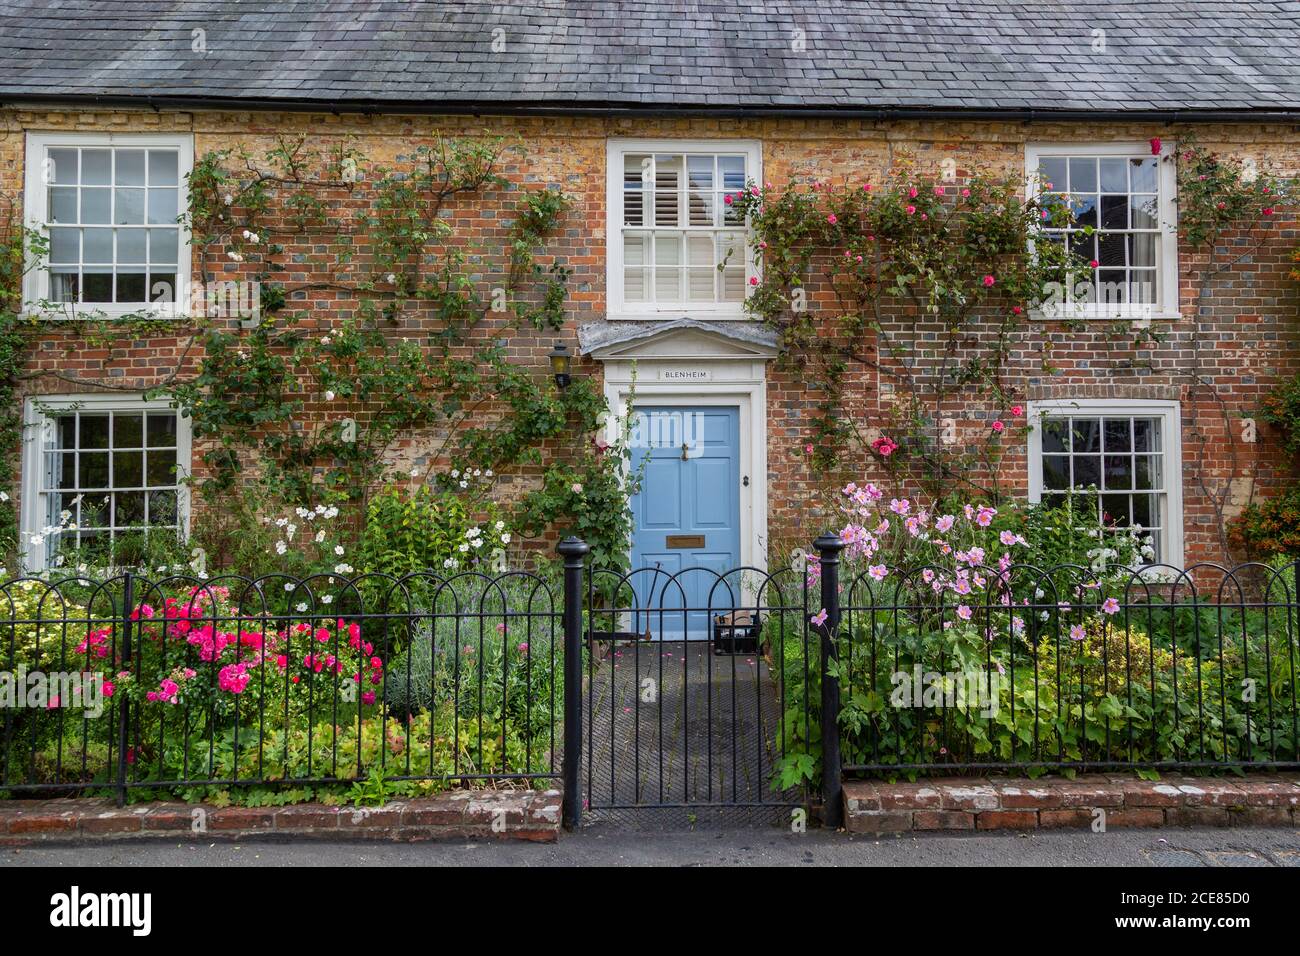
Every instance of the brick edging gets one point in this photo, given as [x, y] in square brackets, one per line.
[1002, 803]
[532, 815]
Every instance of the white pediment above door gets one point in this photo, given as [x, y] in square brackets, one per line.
[677, 339]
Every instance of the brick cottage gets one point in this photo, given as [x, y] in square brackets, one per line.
[649, 117]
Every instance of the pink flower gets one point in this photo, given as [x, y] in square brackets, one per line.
[832, 219]
[911, 210]
[523, 647]
[1268, 210]
[913, 193]
[753, 280]
[964, 612]
[1077, 633]
[988, 281]
[1093, 263]
[884, 446]
[878, 572]
[965, 194]
[820, 617]
[1110, 606]
[944, 524]
[1155, 145]
[368, 697]
[728, 199]
[938, 190]
[1017, 410]
[998, 426]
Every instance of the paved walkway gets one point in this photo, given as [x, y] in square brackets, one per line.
[673, 723]
[603, 845]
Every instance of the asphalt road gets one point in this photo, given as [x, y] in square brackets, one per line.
[609, 846]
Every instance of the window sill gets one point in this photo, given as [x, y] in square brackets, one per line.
[105, 313]
[672, 315]
[1085, 314]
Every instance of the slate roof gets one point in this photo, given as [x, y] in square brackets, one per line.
[701, 55]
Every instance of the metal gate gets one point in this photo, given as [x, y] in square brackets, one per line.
[672, 715]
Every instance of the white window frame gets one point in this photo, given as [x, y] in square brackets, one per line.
[1169, 412]
[1166, 305]
[36, 283]
[35, 418]
[616, 308]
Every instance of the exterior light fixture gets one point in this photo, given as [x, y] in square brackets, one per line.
[560, 362]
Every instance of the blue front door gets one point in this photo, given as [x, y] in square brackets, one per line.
[687, 517]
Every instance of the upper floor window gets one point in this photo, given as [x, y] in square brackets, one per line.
[110, 206]
[1125, 226]
[676, 245]
[102, 474]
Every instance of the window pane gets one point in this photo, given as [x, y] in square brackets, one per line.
[1144, 173]
[1115, 510]
[65, 245]
[699, 285]
[97, 284]
[162, 286]
[636, 173]
[1052, 174]
[1056, 472]
[128, 508]
[1114, 212]
[700, 171]
[128, 430]
[667, 194]
[1055, 434]
[92, 469]
[162, 206]
[132, 287]
[96, 167]
[701, 208]
[162, 508]
[1085, 434]
[129, 167]
[160, 467]
[1146, 212]
[62, 166]
[95, 204]
[1084, 210]
[129, 207]
[162, 245]
[1087, 470]
[1118, 472]
[1147, 476]
[64, 286]
[1112, 250]
[1114, 176]
[1142, 249]
[93, 431]
[63, 204]
[1083, 176]
[1117, 434]
[128, 469]
[131, 246]
[731, 169]
[97, 245]
[162, 168]
[162, 430]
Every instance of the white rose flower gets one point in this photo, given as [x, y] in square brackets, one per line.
[329, 396]
[338, 549]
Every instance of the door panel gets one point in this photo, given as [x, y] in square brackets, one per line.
[690, 492]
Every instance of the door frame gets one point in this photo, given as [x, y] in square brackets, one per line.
[750, 399]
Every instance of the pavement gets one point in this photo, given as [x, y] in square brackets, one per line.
[613, 846]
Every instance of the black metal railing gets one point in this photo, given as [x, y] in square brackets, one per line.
[742, 687]
[228, 682]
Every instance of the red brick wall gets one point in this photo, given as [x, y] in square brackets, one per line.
[1245, 333]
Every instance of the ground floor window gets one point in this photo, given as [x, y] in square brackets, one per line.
[1125, 455]
[102, 475]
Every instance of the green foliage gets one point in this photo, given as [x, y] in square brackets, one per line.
[1269, 527]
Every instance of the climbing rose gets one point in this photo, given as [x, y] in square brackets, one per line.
[1017, 410]
[988, 281]
[832, 219]
[998, 426]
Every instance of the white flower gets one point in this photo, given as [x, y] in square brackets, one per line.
[300, 607]
[338, 549]
[415, 472]
[320, 535]
[342, 569]
[325, 340]
[391, 278]
[463, 546]
[327, 599]
[477, 472]
[576, 488]
[290, 530]
[505, 538]
[488, 473]
[228, 199]
[329, 396]
[281, 547]
[451, 563]
[289, 586]
[464, 484]
[235, 256]
[320, 509]
[300, 512]
[477, 542]
[455, 472]
[37, 539]
[473, 532]
[500, 526]
[4, 496]
[281, 522]
[332, 512]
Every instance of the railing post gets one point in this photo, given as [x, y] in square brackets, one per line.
[573, 550]
[123, 705]
[828, 548]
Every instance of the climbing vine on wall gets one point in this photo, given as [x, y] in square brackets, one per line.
[348, 316]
